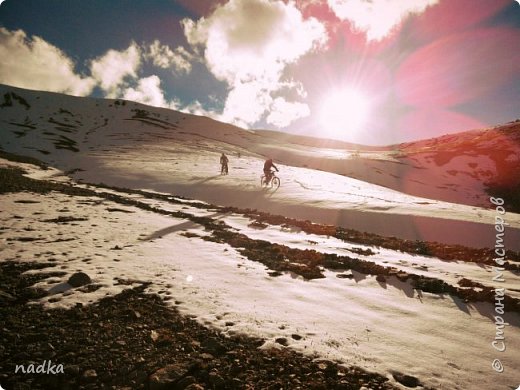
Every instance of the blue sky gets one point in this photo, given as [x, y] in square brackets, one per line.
[376, 72]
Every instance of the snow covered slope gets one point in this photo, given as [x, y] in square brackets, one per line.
[201, 258]
[135, 146]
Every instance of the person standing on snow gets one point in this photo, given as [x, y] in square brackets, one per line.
[224, 164]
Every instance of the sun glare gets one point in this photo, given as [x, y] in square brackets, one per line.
[344, 111]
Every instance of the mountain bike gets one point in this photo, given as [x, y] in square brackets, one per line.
[274, 183]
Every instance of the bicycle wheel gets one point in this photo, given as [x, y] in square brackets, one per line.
[275, 182]
[262, 180]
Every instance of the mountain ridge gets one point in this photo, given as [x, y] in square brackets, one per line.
[464, 168]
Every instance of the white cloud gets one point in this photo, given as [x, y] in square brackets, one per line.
[244, 36]
[196, 108]
[164, 57]
[246, 103]
[282, 112]
[36, 64]
[248, 44]
[148, 91]
[111, 69]
[117, 73]
[377, 18]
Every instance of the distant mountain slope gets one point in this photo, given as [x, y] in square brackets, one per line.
[475, 163]
[41, 123]
[463, 168]
[314, 142]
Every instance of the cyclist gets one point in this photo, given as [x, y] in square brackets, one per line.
[267, 170]
[224, 164]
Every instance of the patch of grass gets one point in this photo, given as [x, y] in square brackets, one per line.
[12, 180]
[65, 219]
[21, 100]
[23, 125]
[66, 143]
[8, 102]
[23, 159]
[10, 96]
[52, 120]
[63, 111]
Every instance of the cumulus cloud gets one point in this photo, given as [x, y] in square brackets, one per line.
[248, 44]
[148, 91]
[196, 108]
[162, 56]
[36, 64]
[246, 103]
[377, 18]
[111, 69]
[117, 72]
[282, 112]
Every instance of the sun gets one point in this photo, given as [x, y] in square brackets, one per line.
[344, 111]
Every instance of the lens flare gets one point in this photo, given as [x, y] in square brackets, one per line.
[344, 110]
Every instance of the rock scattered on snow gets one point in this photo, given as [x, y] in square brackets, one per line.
[406, 380]
[79, 279]
[282, 341]
[84, 339]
